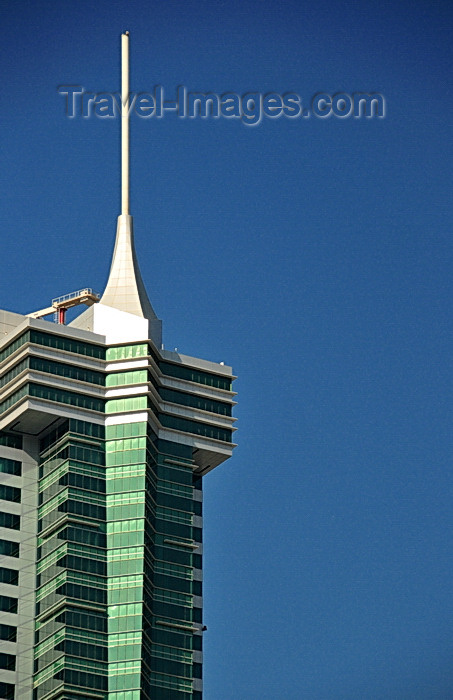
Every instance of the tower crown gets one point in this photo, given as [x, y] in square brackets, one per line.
[125, 290]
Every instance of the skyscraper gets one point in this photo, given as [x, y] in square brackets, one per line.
[104, 440]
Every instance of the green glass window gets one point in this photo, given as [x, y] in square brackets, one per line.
[49, 671]
[87, 635]
[10, 466]
[125, 430]
[193, 375]
[125, 553]
[10, 520]
[50, 586]
[126, 352]
[55, 475]
[118, 568]
[8, 440]
[68, 344]
[6, 691]
[168, 569]
[173, 598]
[125, 595]
[133, 403]
[9, 549]
[191, 426]
[53, 503]
[122, 499]
[81, 427]
[86, 579]
[83, 534]
[175, 489]
[15, 345]
[14, 372]
[125, 471]
[126, 680]
[163, 681]
[125, 667]
[77, 427]
[127, 457]
[126, 483]
[70, 371]
[124, 511]
[73, 455]
[53, 394]
[67, 397]
[124, 378]
[8, 662]
[195, 401]
[171, 653]
[118, 582]
[126, 540]
[9, 493]
[181, 475]
[176, 516]
[51, 367]
[8, 633]
[14, 398]
[125, 653]
[9, 576]
[49, 643]
[174, 453]
[51, 558]
[125, 444]
[84, 650]
[86, 510]
[124, 610]
[92, 621]
[8, 604]
[55, 468]
[83, 481]
[74, 551]
[85, 593]
[78, 678]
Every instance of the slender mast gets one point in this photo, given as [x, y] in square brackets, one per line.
[125, 123]
[125, 290]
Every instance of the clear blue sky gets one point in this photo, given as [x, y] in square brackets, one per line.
[316, 257]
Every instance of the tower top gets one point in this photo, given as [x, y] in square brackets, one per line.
[125, 290]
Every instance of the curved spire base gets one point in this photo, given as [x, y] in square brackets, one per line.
[125, 290]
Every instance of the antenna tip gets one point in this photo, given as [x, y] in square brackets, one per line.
[126, 33]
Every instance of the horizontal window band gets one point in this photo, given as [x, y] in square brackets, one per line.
[53, 449]
[82, 606]
[180, 464]
[50, 613]
[67, 518]
[175, 626]
[182, 544]
[61, 691]
[197, 376]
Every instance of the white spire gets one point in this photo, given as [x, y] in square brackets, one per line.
[125, 290]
